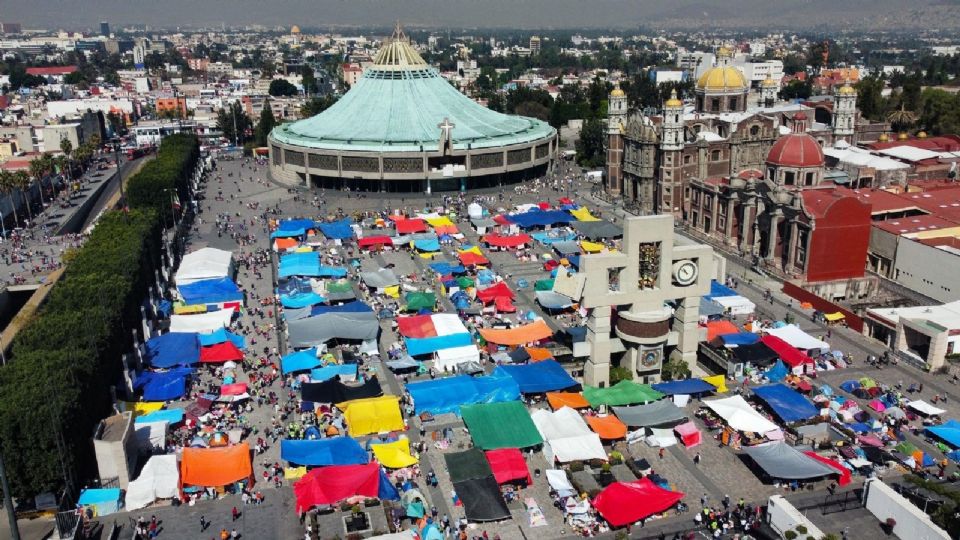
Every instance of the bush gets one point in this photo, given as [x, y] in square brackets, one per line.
[675, 369]
[801, 529]
[790, 535]
[618, 374]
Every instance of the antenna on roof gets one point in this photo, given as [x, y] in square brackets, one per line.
[398, 31]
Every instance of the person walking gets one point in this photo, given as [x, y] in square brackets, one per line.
[234, 513]
[203, 523]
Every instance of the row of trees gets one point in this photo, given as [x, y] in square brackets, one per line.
[56, 386]
[909, 107]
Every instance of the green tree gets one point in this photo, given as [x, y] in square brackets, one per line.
[797, 89]
[590, 145]
[234, 123]
[8, 186]
[940, 113]
[281, 88]
[265, 125]
[870, 99]
[309, 81]
[67, 148]
[317, 105]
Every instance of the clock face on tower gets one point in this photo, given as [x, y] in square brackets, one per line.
[685, 272]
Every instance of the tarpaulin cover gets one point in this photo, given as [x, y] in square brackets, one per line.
[214, 467]
[566, 435]
[424, 326]
[319, 452]
[420, 300]
[788, 353]
[516, 240]
[172, 349]
[441, 224]
[540, 218]
[337, 230]
[448, 394]
[719, 290]
[370, 241]
[471, 258]
[221, 352]
[567, 399]
[325, 373]
[786, 402]
[623, 503]
[686, 386]
[210, 291]
[739, 415]
[795, 337]
[717, 381]
[170, 416]
[292, 227]
[740, 338]
[395, 454]
[334, 391]
[836, 465]
[165, 386]
[204, 263]
[538, 377]
[508, 464]
[284, 244]
[372, 415]
[407, 226]
[300, 361]
[552, 300]
[104, 500]
[583, 214]
[379, 279]
[657, 413]
[500, 425]
[445, 268]
[482, 500]
[607, 427]
[330, 485]
[778, 372]
[317, 330]
[491, 293]
[220, 336]
[597, 229]
[468, 465]
[688, 433]
[543, 285]
[925, 408]
[719, 328]
[416, 347]
[234, 389]
[307, 264]
[432, 244]
[757, 354]
[159, 479]
[780, 460]
[948, 431]
[623, 393]
[519, 335]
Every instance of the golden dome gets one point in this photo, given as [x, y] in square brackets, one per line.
[768, 82]
[922, 135]
[903, 136]
[724, 52]
[846, 90]
[617, 92]
[722, 79]
[295, 29]
[673, 102]
[883, 138]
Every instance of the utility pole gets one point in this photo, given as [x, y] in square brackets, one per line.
[123, 198]
[8, 501]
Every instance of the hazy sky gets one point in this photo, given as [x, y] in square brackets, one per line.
[441, 13]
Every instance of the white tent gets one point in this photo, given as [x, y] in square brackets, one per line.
[202, 323]
[447, 359]
[474, 210]
[796, 337]
[151, 435]
[566, 436]
[661, 438]
[925, 408]
[204, 263]
[738, 305]
[159, 479]
[739, 415]
[558, 481]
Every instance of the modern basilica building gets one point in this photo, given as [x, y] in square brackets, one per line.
[404, 128]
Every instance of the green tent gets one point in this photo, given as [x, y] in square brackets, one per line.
[469, 465]
[543, 285]
[905, 448]
[500, 425]
[341, 286]
[463, 282]
[420, 300]
[622, 393]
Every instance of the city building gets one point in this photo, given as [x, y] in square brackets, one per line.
[104, 29]
[402, 127]
[926, 336]
[535, 45]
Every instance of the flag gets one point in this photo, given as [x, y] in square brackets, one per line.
[175, 201]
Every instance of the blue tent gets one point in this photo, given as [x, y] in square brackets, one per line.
[172, 416]
[787, 403]
[859, 427]
[222, 335]
[320, 452]
[850, 386]
[777, 372]
[552, 237]
[165, 386]
[446, 395]
[386, 490]
[299, 361]
[337, 230]
[211, 291]
[485, 277]
[299, 264]
[460, 299]
[326, 373]
[301, 300]
[444, 268]
[349, 307]
[172, 349]
[719, 290]
[431, 244]
[740, 338]
[574, 261]
[294, 286]
[292, 227]
[418, 346]
[545, 376]
[540, 218]
[949, 431]
[687, 386]
[105, 501]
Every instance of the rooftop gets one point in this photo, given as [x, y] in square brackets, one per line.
[946, 315]
[916, 224]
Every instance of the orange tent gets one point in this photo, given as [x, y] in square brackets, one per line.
[539, 354]
[285, 243]
[719, 328]
[573, 400]
[215, 467]
[607, 427]
[519, 335]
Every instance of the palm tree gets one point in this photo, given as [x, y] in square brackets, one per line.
[901, 119]
[38, 169]
[7, 187]
[21, 180]
[67, 148]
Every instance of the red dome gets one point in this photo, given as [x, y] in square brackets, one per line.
[796, 150]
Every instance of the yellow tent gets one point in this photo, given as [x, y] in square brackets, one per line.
[834, 317]
[180, 308]
[140, 408]
[394, 455]
[442, 221]
[392, 292]
[591, 247]
[303, 249]
[717, 380]
[583, 214]
[475, 250]
[294, 473]
[372, 415]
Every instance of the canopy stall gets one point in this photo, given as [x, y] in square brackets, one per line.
[508, 465]
[552, 300]
[337, 230]
[513, 241]
[658, 413]
[394, 454]
[334, 391]
[300, 361]
[500, 425]
[215, 467]
[211, 291]
[331, 485]
[204, 263]
[519, 335]
[379, 279]
[102, 501]
[566, 436]
[623, 393]
[795, 337]
[159, 479]
[786, 402]
[780, 460]
[689, 434]
[623, 503]
[320, 452]
[574, 400]
[318, 330]
[686, 386]
[539, 377]
[797, 360]
[448, 394]
[925, 408]
[739, 415]
[948, 432]
[201, 323]
[372, 415]
[608, 427]
[172, 349]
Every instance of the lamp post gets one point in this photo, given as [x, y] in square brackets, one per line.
[116, 150]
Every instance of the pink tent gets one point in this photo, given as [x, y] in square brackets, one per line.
[877, 405]
[689, 434]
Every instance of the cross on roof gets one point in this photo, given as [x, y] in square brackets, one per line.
[446, 126]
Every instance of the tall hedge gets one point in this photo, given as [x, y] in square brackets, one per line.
[56, 384]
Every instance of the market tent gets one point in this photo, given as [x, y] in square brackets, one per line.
[539, 377]
[159, 479]
[834, 464]
[331, 485]
[379, 279]
[371, 241]
[417, 300]
[608, 427]
[623, 503]
[780, 460]
[948, 431]
[778, 372]
[346, 372]
[337, 230]
[201, 323]
[623, 393]
[554, 236]
[221, 352]
[394, 454]
[204, 263]
[513, 241]
[686, 386]
[735, 305]
[210, 291]
[284, 244]
[658, 413]
[787, 403]
[319, 452]
[591, 247]
[300, 361]
[436, 324]
[719, 328]
[795, 337]
[786, 352]
[597, 229]
[467, 465]
[408, 226]
[519, 335]
[540, 218]
[472, 257]
[583, 214]
[427, 244]
[446, 269]
[482, 500]
[574, 400]
[292, 227]
[334, 391]
[757, 354]
[717, 381]
[566, 436]
[925, 408]
[171, 416]
[222, 335]
[103, 501]
[215, 467]
[318, 330]
[417, 347]
[448, 394]
[689, 434]
[508, 464]
[372, 415]
[172, 349]
[441, 224]
[738, 339]
[739, 415]
[552, 300]
[500, 290]
[165, 386]
[543, 285]
[500, 425]
[234, 389]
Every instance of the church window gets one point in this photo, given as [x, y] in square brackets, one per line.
[788, 178]
[686, 159]
[809, 179]
[715, 105]
[715, 155]
[754, 130]
[733, 104]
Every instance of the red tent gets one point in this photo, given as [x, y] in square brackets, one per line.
[417, 326]
[622, 503]
[844, 472]
[501, 219]
[508, 464]
[468, 258]
[500, 290]
[330, 485]
[221, 352]
[544, 205]
[234, 389]
[550, 265]
[372, 241]
[514, 241]
[504, 305]
[407, 226]
[565, 200]
[790, 355]
[689, 434]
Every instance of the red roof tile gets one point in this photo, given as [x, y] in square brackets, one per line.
[51, 70]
